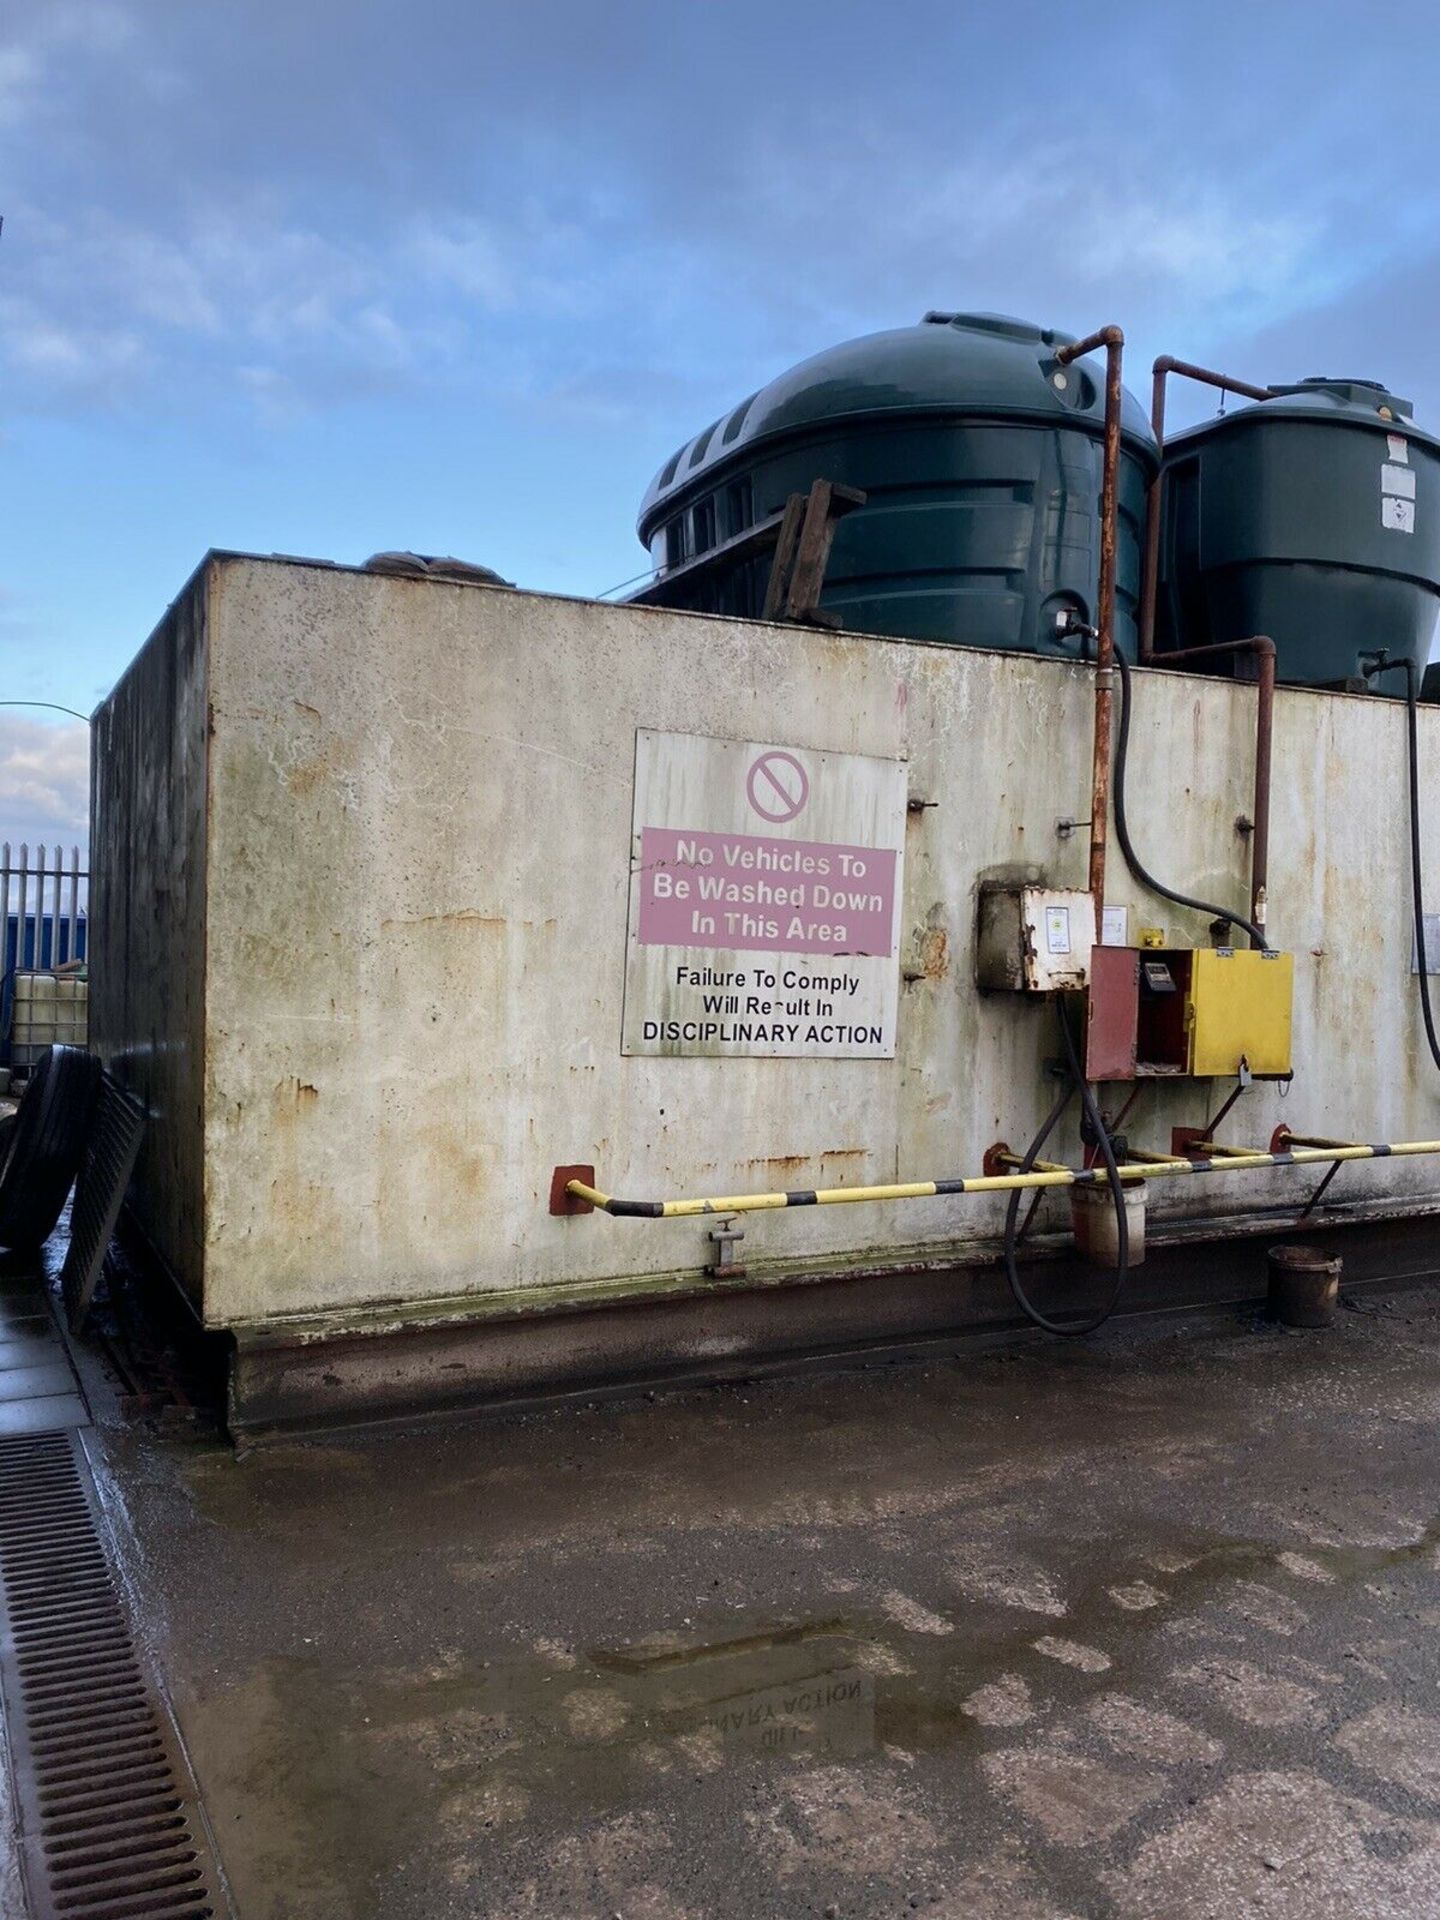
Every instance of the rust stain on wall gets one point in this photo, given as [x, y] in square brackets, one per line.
[934, 953]
[291, 1095]
[783, 1166]
[308, 775]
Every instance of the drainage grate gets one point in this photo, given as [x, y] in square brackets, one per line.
[109, 1811]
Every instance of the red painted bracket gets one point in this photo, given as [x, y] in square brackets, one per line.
[992, 1164]
[1183, 1139]
[1280, 1140]
[563, 1202]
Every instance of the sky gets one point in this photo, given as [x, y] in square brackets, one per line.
[322, 277]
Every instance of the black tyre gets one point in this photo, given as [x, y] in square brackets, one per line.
[45, 1145]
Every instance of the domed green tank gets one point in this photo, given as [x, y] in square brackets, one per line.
[1313, 516]
[981, 458]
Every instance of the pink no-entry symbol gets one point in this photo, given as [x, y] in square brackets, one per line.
[778, 787]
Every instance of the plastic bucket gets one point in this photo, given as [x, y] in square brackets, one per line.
[1092, 1217]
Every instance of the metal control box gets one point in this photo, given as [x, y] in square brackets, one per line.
[1239, 1009]
[1169, 1012]
[1034, 939]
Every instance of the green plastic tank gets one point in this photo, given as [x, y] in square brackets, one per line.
[1313, 516]
[981, 459]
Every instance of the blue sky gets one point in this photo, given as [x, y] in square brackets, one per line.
[329, 276]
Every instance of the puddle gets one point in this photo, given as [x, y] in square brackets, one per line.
[830, 1712]
[338, 1763]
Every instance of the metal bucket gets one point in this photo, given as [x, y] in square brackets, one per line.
[1304, 1286]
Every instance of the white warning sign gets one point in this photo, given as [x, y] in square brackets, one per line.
[765, 894]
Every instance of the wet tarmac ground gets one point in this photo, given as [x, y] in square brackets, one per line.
[1139, 1626]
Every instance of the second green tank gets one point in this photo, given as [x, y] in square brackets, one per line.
[1312, 516]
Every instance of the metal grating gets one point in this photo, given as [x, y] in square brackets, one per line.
[99, 1193]
[109, 1813]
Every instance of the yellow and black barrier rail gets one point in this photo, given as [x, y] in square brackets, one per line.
[573, 1189]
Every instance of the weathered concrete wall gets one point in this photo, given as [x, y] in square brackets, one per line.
[364, 950]
[418, 864]
[147, 919]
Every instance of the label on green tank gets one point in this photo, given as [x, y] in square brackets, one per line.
[1397, 487]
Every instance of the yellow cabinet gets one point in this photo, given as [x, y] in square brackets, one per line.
[1238, 1009]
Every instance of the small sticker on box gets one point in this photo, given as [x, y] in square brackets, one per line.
[1398, 515]
[1400, 480]
[1057, 929]
[1399, 447]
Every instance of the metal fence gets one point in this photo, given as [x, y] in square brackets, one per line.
[45, 896]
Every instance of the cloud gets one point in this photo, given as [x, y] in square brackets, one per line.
[54, 34]
[243, 294]
[293, 233]
[44, 782]
[560, 233]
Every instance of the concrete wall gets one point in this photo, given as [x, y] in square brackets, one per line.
[147, 919]
[418, 866]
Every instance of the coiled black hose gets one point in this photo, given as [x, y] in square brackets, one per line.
[1077, 1083]
[1122, 829]
[1417, 889]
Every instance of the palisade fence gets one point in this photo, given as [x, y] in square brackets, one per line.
[45, 892]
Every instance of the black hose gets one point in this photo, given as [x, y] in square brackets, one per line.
[1412, 702]
[1122, 830]
[1078, 1083]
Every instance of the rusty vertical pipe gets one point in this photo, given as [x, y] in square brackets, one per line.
[1264, 727]
[1113, 341]
[1263, 647]
[1104, 689]
[1150, 563]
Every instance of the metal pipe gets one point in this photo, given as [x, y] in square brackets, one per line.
[1150, 558]
[1112, 339]
[1263, 647]
[1150, 561]
[1238, 1160]
[1260, 816]
[1004, 1158]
